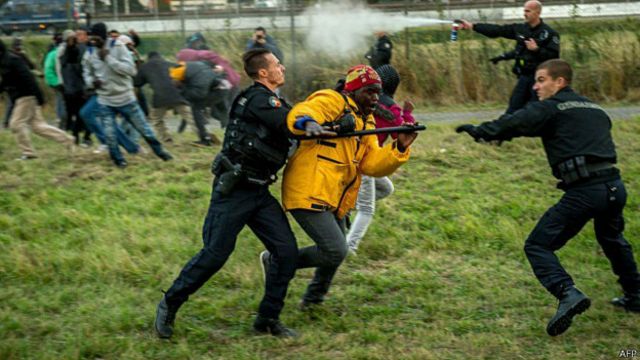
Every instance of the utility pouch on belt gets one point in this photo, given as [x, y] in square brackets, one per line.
[577, 168]
[227, 173]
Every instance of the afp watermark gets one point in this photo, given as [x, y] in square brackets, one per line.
[628, 353]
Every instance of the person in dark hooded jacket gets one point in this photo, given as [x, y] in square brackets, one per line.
[27, 98]
[199, 82]
[166, 95]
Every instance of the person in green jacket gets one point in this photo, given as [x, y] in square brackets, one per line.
[52, 80]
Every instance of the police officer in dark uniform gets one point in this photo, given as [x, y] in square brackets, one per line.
[380, 52]
[536, 42]
[255, 147]
[577, 139]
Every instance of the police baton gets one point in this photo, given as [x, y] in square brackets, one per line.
[396, 129]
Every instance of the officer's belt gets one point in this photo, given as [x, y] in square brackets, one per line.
[577, 169]
[593, 168]
[249, 175]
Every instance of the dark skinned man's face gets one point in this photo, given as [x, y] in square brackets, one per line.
[367, 98]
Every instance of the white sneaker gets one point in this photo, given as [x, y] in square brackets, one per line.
[27, 157]
[102, 148]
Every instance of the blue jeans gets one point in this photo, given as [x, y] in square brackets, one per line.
[133, 114]
[88, 114]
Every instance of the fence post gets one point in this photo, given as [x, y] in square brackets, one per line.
[406, 31]
[292, 15]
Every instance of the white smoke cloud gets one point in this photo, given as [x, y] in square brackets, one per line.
[343, 27]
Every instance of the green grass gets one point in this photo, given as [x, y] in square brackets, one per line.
[85, 249]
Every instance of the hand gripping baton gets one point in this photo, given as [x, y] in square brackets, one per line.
[395, 129]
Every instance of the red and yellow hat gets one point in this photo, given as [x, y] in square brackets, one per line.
[360, 76]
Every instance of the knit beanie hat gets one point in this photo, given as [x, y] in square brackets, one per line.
[390, 79]
[100, 30]
[67, 34]
[360, 76]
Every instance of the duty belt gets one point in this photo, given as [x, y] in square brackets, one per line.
[577, 168]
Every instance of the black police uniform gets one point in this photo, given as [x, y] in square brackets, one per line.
[526, 61]
[255, 148]
[380, 52]
[576, 136]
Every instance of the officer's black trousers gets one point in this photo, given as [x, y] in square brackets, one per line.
[603, 203]
[522, 93]
[227, 215]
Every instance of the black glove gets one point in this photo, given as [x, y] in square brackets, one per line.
[497, 59]
[469, 129]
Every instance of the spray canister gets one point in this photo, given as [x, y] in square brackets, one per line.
[454, 31]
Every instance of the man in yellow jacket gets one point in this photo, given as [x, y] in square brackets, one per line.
[322, 178]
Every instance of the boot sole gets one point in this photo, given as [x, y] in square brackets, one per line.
[564, 322]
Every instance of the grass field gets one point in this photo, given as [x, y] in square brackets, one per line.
[86, 249]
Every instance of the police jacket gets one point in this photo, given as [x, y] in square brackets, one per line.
[325, 175]
[527, 61]
[17, 79]
[380, 52]
[569, 124]
[257, 137]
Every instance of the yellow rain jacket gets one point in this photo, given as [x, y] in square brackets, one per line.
[325, 174]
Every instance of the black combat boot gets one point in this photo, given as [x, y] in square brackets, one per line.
[274, 327]
[165, 318]
[629, 301]
[572, 303]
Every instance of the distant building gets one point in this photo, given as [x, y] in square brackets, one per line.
[195, 5]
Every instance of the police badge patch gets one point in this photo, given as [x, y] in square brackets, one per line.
[543, 35]
[274, 102]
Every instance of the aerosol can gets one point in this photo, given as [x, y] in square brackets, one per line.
[455, 25]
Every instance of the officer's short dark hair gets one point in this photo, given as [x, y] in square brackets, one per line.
[254, 60]
[557, 68]
[260, 28]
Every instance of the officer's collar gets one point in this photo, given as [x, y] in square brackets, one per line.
[565, 89]
[257, 83]
[537, 26]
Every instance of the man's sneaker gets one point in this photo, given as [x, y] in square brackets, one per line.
[265, 263]
[202, 143]
[122, 164]
[165, 155]
[572, 303]
[630, 302]
[101, 149]
[27, 157]
[274, 327]
[165, 319]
